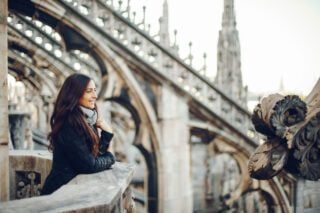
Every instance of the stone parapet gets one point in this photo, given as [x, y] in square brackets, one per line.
[28, 170]
[106, 191]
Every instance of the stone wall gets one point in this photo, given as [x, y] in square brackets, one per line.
[28, 170]
[4, 136]
[311, 196]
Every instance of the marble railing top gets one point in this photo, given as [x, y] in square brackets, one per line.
[44, 154]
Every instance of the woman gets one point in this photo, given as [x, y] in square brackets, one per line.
[74, 140]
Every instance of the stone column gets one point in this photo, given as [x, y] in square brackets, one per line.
[4, 136]
[174, 173]
[202, 187]
[299, 195]
[20, 128]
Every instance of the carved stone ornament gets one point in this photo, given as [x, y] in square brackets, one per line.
[292, 130]
[306, 148]
[276, 113]
[268, 159]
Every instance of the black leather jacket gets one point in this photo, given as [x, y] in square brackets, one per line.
[72, 156]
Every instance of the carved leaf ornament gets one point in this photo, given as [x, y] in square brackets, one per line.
[306, 149]
[268, 159]
[292, 140]
[287, 112]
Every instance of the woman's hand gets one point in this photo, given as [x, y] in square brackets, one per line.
[102, 124]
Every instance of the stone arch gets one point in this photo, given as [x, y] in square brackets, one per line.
[135, 115]
[146, 120]
[261, 194]
[147, 116]
[72, 38]
[28, 72]
[107, 56]
[152, 177]
[271, 188]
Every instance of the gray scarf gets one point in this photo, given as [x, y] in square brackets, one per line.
[90, 114]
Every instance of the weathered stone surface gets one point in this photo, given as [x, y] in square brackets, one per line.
[291, 127]
[268, 159]
[28, 170]
[99, 192]
[174, 172]
[276, 113]
[4, 137]
[311, 196]
[20, 130]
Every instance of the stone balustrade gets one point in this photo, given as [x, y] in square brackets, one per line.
[106, 191]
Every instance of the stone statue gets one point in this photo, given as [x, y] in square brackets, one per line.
[291, 128]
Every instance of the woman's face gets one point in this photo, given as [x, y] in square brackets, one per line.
[88, 98]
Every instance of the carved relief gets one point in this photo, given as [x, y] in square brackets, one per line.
[292, 130]
[306, 143]
[275, 113]
[268, 159]
[28, 184]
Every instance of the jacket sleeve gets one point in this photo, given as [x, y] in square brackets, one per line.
[79, 155]
[104, 142]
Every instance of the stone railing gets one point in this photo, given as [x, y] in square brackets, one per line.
[106, 191]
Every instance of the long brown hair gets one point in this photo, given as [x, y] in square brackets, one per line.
[66, 109]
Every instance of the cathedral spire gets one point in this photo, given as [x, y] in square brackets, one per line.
[228, 17]
[164, 25]
[229, 76]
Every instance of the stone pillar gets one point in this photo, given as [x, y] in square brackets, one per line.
[299, 204]
[174, 173]
[20, 130]
[201, 175]
[42, 116]
[4, 136]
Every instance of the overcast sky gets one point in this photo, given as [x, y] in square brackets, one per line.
[280, 39]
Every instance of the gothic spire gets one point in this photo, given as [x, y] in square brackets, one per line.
[228, 18]
[164, 25]
[229, 76]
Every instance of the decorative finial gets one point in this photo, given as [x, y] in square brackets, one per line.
[119, 4]
[204, 68]
[134, 17]
[128, 8]
[144, 8]
[149, 28]
[190, 56]
[175, 42]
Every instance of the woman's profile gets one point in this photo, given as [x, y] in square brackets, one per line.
[74, 138]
